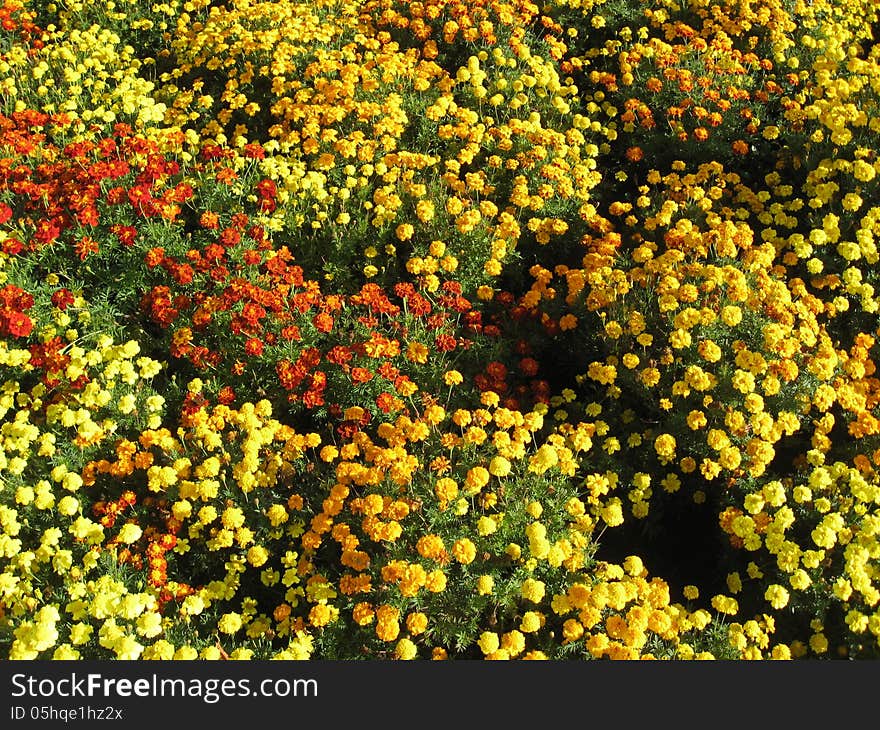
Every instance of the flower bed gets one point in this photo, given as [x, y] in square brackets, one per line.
[388, 329]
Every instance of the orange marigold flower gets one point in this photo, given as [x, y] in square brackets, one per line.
[635, 154]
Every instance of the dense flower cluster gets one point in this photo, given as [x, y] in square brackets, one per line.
[392, 329]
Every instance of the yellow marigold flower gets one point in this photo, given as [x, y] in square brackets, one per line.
[431, 547]
[72, 481]
[499, 466]
[68, 506]
[709, 469]
[572, 630]
[488, 642]
[417, 352]
[229, 623]
[425, 211]
[514, 642]
[531, 622]
[130, 533]
[819, 643]
[731, 315]
[373, 504]
[634, 566]
[649, 377]
[612, 513]
[464, 551]
[416, 623]
[363, 614]
[486, 525]
[696, 420]
[597, 644]
[387, 626]
[435, 581]
[578, 595]
[780, 652]
[545, 458]
[725, 604]
[477, 478]
[568, 322]
[434, 414]
[485, 585]
[665, 445]
[533, 590]
[405, 650]
[257, 555]
[777, 596]
[276, 514]
[734, 582]
[630, 360]
[800, 580]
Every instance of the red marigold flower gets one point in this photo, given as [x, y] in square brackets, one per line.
[254, 151]
[257, 233]
[17, 324]
[208, 219]
[388, 371]
[214, 252]
[230, 237]
[445, 343]
[5, 213]
[528, 366]
[266, 189]
[386, 402]
[154, 257]
[219, 273]
[339, 355]
[16, 298]
[323, 322]
[124, 234]
[88, 216]
[12, 246]
[313, 399]
[227, 176]
[361, 375]
[252, 313]
[254, 347]
[183, 274]
[116, 195]
[497, 370]
[47, 231]
[182, 192]
[62, 299]
[291, 333]
[139, 195]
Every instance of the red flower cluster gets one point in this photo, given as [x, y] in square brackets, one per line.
[13, 321]
[56, 190]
